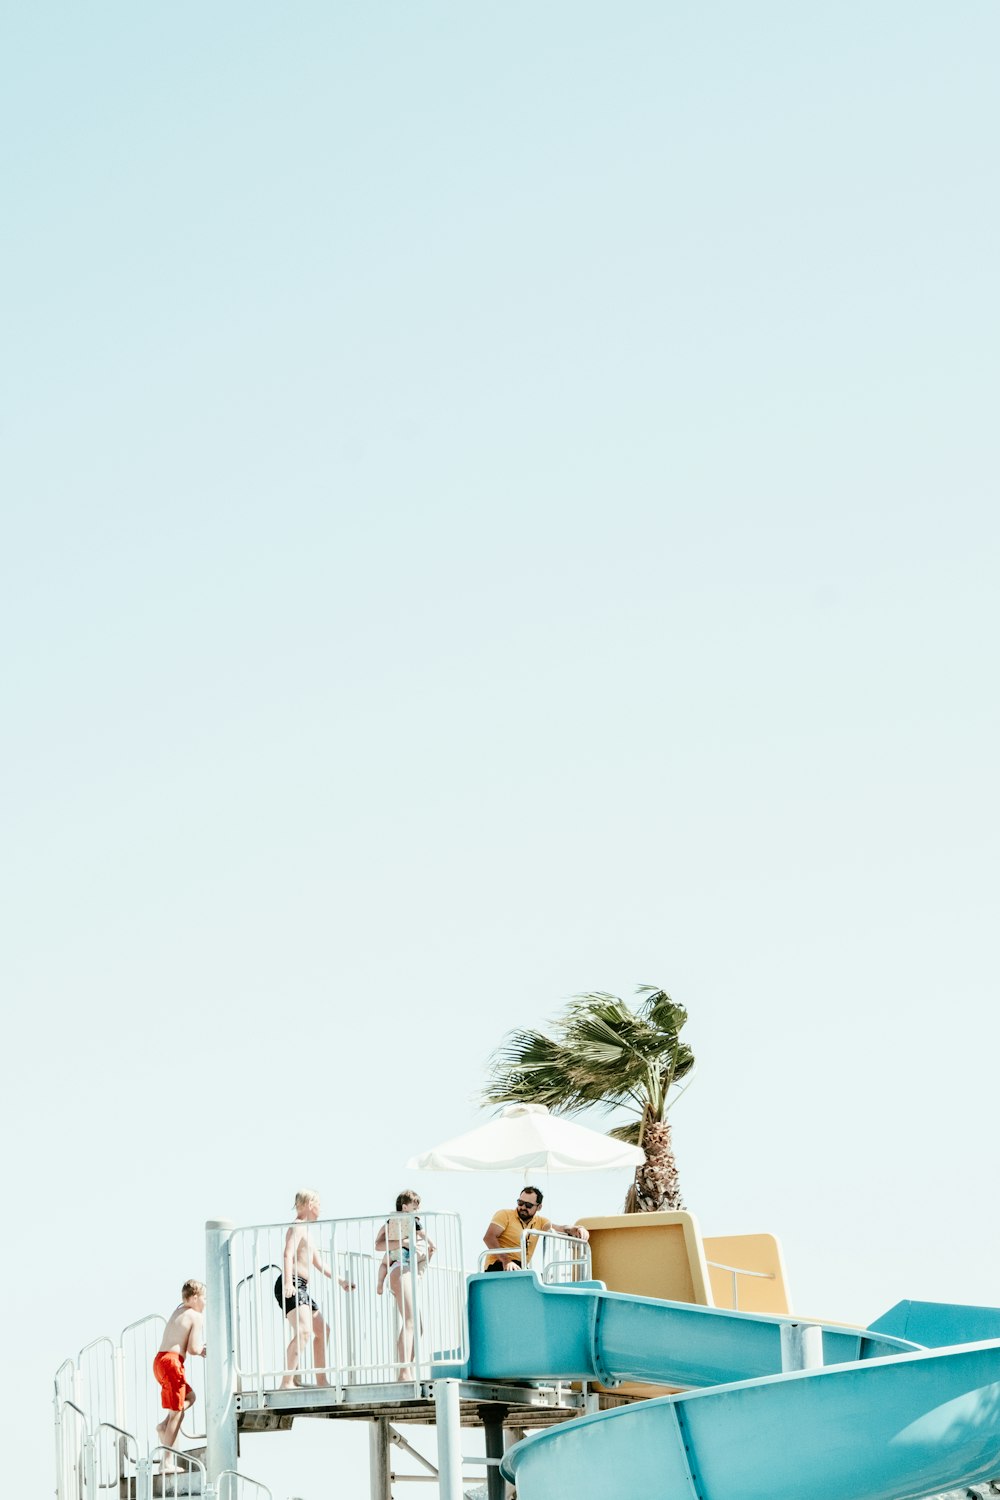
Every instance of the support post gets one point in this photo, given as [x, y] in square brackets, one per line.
[379, 1469]
[220, 1354]
[448, 1416]
[144, 1479]
[89, 1465]
[493, 1432]
[801, 1346]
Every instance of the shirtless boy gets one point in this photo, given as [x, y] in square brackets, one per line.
[291, 1291]
[183, 1335]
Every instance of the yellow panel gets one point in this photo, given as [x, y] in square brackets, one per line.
[748, 1252]
[650, 1255]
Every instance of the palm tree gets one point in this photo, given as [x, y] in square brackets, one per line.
[605, 1053]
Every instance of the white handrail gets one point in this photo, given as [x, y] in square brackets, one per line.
[717, 1265]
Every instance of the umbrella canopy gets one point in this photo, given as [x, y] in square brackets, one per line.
[526, 1135]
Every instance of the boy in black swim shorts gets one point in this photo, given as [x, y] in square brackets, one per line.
[291, 1292]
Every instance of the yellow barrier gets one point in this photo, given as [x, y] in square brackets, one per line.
[747, 1272]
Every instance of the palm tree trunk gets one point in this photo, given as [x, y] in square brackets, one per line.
[657, 1187]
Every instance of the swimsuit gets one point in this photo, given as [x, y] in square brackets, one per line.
[301, 1298]
[168, 1367]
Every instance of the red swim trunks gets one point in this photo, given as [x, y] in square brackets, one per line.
[169, 1371]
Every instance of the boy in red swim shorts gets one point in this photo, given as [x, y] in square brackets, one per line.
[183, 1335]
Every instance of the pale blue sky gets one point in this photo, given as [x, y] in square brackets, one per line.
[498, 501]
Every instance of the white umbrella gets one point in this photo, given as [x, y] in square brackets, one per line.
[526, 1135]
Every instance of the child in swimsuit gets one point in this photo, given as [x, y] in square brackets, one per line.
[394, 1239]
[183, 1335]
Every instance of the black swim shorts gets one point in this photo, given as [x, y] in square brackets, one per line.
[301, 1298]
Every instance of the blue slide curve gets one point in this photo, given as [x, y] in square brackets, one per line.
[522, 1330]
[881, 1421]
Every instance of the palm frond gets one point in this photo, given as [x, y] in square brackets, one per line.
[602, 1053]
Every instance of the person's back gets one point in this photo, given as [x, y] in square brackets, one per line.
[183, 1333]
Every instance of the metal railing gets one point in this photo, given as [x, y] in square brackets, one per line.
[556, 1258]
[233, 1486]
[97, 1462]
[116, 1461]
[375, 1300]
[181, 1474]
[736, 1271]
[106, 1409]
[72, 1450]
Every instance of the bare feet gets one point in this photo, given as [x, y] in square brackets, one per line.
[288, 1384]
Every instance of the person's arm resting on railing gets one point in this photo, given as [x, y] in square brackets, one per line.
[491, 1239]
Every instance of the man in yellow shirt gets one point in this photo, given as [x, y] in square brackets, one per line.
[508, 1224]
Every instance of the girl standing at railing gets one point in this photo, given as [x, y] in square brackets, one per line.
[406, 1254]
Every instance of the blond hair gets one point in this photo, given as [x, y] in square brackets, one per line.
[192, 1289]
[305, 1197]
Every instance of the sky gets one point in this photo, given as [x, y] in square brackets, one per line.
[498, 502]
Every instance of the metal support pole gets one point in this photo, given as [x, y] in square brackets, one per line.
[60, 1461]
[144, 1479]
[220, 1354]
[448, 1416]
[493, 1432]
[89, 1466]
[801, 1346]
[379, 1470]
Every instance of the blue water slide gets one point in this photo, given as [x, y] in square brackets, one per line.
[940, 1325]
[887, 1429]
[522, 1330]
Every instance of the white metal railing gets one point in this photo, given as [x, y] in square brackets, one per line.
[564, 1258]
[112, 1383]
[103, 1461]
[233, 1486]
[339, 1328]
[116, 1461]
[556, 1258]
[181, 1474]
[736, 1271]
[107, 1405]
[72, 1442]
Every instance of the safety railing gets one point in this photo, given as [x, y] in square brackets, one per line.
[73, 1450]
[116, 1455]
[233, 1486]
[737, 1271]
[556, 1258]
[103, 1462]
[375, 1300]
[563, 1258]
[112, 1382]
[181, 1474]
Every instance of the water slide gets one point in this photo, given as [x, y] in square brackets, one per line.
[881, 1421]
[522, 1330]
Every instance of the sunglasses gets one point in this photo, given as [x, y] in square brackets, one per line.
[522, 1204]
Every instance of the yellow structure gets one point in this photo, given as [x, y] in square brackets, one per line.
[664, 1255]
[746, 1271]
[650, 1255]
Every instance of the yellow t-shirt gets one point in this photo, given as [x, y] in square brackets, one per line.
[511, 1230]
